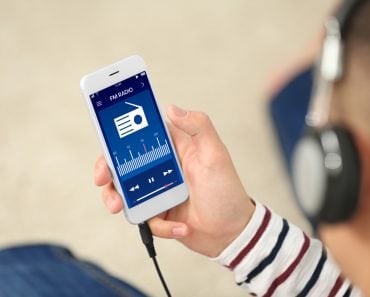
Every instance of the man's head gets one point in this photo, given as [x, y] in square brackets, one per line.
[331, 161]
[350, 107]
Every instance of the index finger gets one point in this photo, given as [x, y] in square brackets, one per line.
[102, 174]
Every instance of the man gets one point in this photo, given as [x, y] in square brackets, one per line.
[268, 255]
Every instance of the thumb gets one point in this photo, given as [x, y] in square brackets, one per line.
[168, 229]
[195, 124]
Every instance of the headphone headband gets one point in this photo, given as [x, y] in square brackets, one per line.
[330, 66]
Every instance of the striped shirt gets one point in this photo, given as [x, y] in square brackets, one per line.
[272, 257]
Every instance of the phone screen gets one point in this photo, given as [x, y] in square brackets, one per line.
[136, 138]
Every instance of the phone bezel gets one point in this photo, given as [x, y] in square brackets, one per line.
[111, 75]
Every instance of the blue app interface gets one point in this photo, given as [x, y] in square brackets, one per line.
[137, 142]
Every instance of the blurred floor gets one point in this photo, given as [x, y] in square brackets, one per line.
[207, 55]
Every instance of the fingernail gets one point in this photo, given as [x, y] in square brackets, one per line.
[179, 111]
[179, 232]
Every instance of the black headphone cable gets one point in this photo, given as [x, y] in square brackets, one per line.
[147, 238]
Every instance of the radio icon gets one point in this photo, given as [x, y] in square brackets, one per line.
[131, 121]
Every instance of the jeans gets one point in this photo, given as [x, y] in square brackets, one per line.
[53, 271]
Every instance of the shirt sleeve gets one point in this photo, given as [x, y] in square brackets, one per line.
[272, 257]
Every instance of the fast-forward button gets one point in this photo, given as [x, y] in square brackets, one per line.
[167, 172]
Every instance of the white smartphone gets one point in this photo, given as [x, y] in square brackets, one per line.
[135, 140]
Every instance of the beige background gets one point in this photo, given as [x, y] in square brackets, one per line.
[214, 56]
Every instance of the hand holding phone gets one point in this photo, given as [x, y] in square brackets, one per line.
[134, 137]
[218, 207]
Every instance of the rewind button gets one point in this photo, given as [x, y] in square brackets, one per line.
[134, 188]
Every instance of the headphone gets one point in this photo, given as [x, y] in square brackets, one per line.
[326, 167]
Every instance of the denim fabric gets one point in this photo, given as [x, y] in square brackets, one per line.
[53, 271]
[288, 111]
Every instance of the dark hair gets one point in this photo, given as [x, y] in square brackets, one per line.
[358, 32]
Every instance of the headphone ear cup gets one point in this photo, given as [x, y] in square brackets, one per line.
[326, 174]
[308, 174]
[343, 189]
